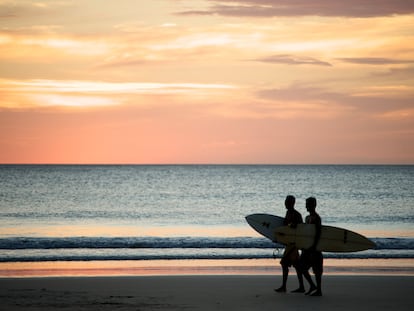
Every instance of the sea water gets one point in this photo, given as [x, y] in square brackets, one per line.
[151, 212]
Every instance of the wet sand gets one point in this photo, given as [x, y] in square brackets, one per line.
[204, 292]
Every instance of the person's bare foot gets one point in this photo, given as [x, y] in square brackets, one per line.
[318, 293]
[299, 290]
[312, 289]
[281, 289]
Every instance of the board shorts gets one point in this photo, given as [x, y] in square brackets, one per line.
[290, 256]
[311, 259]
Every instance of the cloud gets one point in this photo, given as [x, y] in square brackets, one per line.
[301, 93]
[375, 61]
[374, 102]
[110, 87]
[287, 8]
[25, 9]
[292, 60]
[398, 73]
[92, 93]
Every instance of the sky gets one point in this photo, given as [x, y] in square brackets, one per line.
[200, 81]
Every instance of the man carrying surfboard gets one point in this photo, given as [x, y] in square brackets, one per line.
[291, 254]
[312, 257]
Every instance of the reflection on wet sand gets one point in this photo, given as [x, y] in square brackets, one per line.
[198, 267]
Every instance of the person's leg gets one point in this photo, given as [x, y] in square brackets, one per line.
[304, 265]
[318, 292]
[308, 278]
[318, 270]
[285, 270]
[301, 288]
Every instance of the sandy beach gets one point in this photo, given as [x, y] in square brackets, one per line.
[203, 292]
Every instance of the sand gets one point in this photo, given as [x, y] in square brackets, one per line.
[203, 292]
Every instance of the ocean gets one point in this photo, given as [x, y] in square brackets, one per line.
[56, 213]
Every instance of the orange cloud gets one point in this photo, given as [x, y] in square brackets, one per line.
[93, 93]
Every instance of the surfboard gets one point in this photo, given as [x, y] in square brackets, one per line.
[265, 224]
[333, 239]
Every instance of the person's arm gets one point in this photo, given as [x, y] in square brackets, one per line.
[318, 230]
[294, 219]
[288, 219]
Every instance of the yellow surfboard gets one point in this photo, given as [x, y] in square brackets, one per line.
[265, 224]
[332, 239]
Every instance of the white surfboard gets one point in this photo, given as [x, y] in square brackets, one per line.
[333, 239]
[265, 224]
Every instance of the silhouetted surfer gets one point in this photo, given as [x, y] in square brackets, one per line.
[291, 254]
[312, 257]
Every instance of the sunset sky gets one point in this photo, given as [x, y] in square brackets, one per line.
[200, 81]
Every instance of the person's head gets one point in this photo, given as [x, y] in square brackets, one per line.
[310, 204]
[290, 202]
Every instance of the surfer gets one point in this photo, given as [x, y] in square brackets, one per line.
[312, 257]
[291, 254]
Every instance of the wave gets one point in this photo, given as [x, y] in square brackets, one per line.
[37, 249]
[133, 242]
[22, 243]
[181, 254]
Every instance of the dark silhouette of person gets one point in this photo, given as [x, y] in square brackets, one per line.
[312, 257]
[291, 254]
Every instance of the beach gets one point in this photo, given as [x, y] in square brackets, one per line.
[176, 238]
[203, 292]
[368, 284]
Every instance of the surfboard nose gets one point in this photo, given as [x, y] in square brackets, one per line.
[249, 219]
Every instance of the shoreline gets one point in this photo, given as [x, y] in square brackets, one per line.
[203, 292]
[259, 267]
